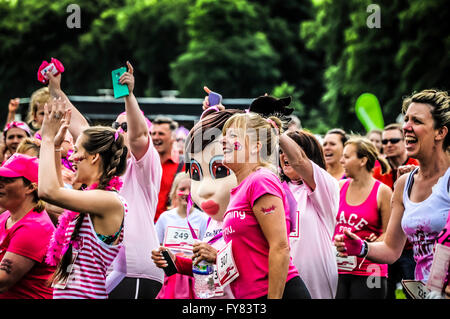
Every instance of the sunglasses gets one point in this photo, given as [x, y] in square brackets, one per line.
[392, 140]
[123, 125]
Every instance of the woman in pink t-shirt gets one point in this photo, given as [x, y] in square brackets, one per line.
[364, 209]
[25, 232]
[255, 222]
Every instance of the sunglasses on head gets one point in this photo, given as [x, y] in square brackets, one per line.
[123, 125]
[392, 140]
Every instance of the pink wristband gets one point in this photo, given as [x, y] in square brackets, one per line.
[354, 247]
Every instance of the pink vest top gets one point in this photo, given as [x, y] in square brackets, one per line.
[361, 220]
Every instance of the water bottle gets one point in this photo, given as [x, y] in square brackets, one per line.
[203, 279]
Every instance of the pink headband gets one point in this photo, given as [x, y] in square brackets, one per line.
[17, 124]
[272, 123]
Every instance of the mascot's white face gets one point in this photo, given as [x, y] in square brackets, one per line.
[211, 181]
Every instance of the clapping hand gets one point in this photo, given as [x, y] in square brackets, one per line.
[56, 120]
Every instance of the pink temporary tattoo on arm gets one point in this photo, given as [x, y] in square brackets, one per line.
[269, 210]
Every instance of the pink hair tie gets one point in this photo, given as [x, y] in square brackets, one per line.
[208, 110]
[116, 136]
[272, 123]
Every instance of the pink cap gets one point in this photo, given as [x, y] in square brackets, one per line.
[21, 165]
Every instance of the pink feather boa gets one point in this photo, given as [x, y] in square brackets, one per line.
[57, 248]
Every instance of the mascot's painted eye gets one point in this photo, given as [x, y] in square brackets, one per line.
[217, 169]
[195, 171]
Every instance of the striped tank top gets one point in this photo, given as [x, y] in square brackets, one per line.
[91, 260]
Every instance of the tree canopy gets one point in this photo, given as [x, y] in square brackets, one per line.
[321, 52]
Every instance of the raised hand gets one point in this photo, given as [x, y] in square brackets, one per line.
[55, 116]
[205, 104]
[54, 84]
[128, 77]
[13, 105]
[60, 136]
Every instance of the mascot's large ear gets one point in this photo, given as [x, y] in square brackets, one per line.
[283, 102]
[268, 105]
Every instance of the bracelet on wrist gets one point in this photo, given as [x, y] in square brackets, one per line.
[364, 249]
[58, 149]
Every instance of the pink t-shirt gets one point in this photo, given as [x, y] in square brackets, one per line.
[362, 220]
[312, 248]
[140, 188]
[29, 237]
[250, 247]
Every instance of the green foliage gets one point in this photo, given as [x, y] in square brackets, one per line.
[321, 52]
[226, 51]
[409, 52]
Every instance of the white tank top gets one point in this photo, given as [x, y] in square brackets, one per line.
[423, 221]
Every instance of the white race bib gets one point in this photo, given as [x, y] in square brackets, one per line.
[218, 289]
[346, 263]
[226, 268]
[416, 289]
[179, 238]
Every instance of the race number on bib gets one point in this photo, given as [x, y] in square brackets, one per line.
[416, 289]
[226, 268]
[179, 238]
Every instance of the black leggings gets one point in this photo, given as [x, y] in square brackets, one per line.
[361, 287]
[295, 288]
[136, 288]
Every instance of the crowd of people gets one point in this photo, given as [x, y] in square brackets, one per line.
[89, 212]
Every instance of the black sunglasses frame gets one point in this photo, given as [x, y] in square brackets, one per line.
[123, 125]
[392, 140]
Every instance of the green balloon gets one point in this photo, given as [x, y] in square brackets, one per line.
[368, 111]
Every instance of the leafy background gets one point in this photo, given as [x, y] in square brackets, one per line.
[320, 52]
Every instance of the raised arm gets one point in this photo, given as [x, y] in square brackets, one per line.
[12, 109]
[138, 134]
[298, 160]
[78, 122]
[96, 202]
